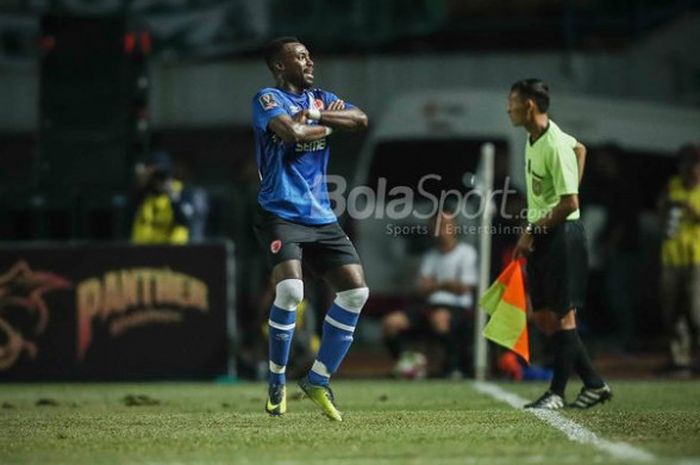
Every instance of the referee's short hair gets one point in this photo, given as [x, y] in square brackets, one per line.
[534, 89]
[273, 48]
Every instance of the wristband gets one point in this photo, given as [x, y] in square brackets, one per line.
[314, 113]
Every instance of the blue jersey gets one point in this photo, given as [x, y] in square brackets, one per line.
[292, 176]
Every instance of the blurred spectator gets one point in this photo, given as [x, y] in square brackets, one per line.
[680, 256]
[198, 198]
[446, 281]
[619, 243]
[164, 209]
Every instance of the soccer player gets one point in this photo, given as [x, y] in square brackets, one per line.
[292, 123]
[554, 243]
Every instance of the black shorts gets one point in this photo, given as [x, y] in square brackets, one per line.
[323, 247]
[557, 270]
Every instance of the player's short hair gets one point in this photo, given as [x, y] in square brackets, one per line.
[273, 48]
[534, 89]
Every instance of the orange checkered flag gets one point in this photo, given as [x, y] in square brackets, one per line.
[506, 305]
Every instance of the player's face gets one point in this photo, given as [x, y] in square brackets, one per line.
[298, 66]
[518, 109]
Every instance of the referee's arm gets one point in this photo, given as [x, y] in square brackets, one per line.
[580, 151]
[568, 204]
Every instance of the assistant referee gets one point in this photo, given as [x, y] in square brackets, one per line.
[554, 243]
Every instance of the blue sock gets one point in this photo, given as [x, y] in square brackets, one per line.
[280, 341]
[338, 329]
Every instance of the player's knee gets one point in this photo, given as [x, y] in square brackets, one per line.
[289, 293]
[352, 299]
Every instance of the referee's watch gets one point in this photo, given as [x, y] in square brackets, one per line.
[530, 229]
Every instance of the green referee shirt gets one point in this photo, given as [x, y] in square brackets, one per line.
[551, 170]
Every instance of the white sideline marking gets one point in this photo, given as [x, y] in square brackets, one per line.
[573, 430]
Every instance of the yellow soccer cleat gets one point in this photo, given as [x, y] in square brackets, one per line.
[323, 397]
[277, 400]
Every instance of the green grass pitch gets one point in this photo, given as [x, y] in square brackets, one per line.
[386, 423]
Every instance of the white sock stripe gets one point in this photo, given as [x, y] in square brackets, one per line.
[339, 325]
[281, 327]
[277, 369]
[320, 369]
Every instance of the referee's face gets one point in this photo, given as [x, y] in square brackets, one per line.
[298, 65]
[518, 109]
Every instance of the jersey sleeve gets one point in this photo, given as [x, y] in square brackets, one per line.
[469, 273]
[330, 97]
[266, 105]
[568, 140]
[564, 167]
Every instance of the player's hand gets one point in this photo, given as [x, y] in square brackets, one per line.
[426, 285]
[301, 117]
[336, 105]
[524, 247]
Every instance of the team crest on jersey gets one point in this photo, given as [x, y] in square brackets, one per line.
[267, 101]
[318, 103]
[275, 246]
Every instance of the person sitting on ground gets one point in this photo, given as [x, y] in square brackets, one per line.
[446, 280]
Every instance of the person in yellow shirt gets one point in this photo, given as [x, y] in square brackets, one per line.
[680, 258]
[163, 208]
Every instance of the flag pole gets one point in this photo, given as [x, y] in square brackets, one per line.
[485, 185]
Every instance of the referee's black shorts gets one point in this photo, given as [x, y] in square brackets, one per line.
[324, 247]
[557, 270]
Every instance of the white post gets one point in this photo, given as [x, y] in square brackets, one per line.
[485, 185]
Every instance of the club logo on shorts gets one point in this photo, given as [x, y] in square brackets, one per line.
[318, 103]
[268, 101]
[275, 246]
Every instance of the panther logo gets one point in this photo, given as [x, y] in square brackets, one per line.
[24, 314]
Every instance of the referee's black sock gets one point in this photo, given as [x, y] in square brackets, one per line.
[566, 351]
[584, 367]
